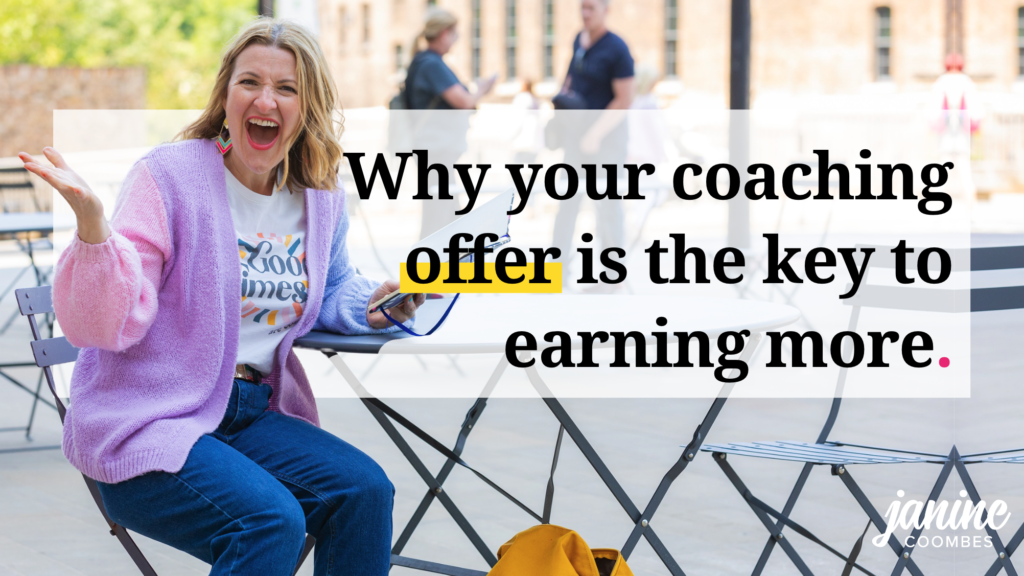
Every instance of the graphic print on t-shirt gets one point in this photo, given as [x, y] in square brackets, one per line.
[274, 279]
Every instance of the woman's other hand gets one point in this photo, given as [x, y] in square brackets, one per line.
[485, 85]
[400, 313]
[92, 225]
[459, 98]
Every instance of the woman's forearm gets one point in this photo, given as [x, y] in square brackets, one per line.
[346, 293]
[93, 230]
[105, 293]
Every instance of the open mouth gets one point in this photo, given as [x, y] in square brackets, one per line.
[262, 132]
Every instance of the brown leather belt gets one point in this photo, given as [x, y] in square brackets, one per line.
[246, 372]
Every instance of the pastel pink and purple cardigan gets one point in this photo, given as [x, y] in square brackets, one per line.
[156, 308]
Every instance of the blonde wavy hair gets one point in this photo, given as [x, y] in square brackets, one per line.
[436, 21]
[314, 150]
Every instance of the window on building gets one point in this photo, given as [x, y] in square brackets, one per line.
[510, 39]
[366, 23]
[1020, 41]
[548, 25]
[883, 41]
[671, 35]
[474, 41]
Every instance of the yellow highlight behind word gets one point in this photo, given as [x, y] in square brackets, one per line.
[551, 271]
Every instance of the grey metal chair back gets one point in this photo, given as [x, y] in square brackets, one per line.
[992, 300]
[838, 455]
[897, 298]
[49, 352]
[933, 300]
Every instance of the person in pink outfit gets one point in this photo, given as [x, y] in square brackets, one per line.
[188, 406]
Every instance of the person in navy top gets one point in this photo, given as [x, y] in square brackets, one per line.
[600, 77]
[601, 71]
[431, 85]
[433, 77]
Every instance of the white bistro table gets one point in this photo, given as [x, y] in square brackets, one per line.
[482, 325]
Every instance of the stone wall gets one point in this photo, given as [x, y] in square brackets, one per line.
[30, 94]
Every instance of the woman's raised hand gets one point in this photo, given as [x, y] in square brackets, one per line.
[92, 225]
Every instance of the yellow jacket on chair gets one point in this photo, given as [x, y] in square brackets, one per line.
[548, 550]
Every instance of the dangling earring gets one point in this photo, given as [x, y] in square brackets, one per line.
[224, 139]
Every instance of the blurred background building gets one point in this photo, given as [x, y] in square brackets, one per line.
[799, 47]
[877, 58]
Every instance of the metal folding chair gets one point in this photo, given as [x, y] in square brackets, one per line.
[991, 300]
[1013, 456]
[12, 226]
[838, 456]
[49, 352]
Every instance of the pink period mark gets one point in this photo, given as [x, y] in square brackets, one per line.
[944, 362]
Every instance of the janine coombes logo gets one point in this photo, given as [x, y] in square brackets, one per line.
[942, 515]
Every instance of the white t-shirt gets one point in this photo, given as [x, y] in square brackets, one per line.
[271, 234]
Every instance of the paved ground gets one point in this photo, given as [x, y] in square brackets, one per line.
[49, 525]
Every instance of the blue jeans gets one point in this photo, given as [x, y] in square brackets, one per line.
[250, 492]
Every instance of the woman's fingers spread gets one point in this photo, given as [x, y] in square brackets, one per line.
[34, 168]
[57, 180]
[51, 178]
[61, 179]
[54, 157]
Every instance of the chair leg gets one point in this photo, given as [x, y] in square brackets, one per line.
[794, 494]
[32, 412]
[119, 531]
[432, 484]
[689, 453]
[1003, 560]
[605, 474]
[133, 550]
[549, 494]
[905, 561]
[1014, 543]
[774, 531]
[310, 541]
[410, 455]
[471, 417]
[904, 558]
[433, 567]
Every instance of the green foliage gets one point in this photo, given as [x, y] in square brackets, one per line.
[179, 42]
